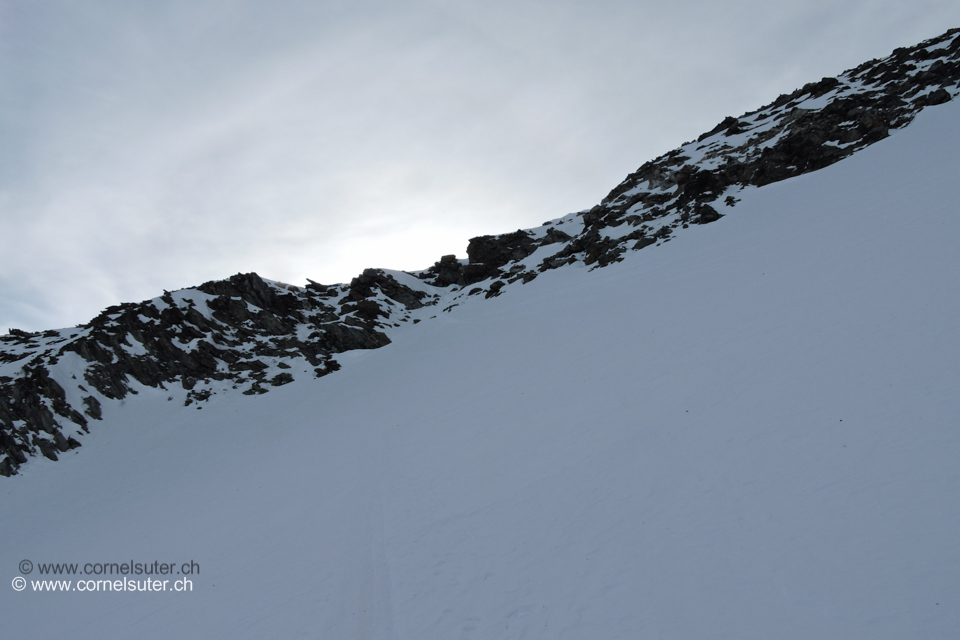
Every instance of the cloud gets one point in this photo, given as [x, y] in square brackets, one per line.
[158, 145]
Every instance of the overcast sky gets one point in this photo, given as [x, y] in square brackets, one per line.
[151, 145]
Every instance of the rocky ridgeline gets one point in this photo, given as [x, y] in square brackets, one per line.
[243, 333]
[809, 129]
[248, 334]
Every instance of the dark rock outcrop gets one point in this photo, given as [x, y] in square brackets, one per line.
[233, 333]
[809, 129]
[251, 334]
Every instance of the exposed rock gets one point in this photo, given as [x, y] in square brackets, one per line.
[229, 333]
[939, 96]
[553, 236]
[93, 408]
[445, 272]
[706, 213]
[496, 251]
[220, 332]
[281, 379]
[495, 289]
[488, 253]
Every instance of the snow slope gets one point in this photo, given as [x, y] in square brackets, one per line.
[747, 432]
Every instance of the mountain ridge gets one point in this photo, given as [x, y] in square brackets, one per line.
[246, 334]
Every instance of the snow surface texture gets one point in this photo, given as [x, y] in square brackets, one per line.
[748, 433]
[247, 335]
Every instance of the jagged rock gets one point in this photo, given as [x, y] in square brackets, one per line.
[495, 289]
[21, 334]
[729, 123]
[328, 367]
[281, 379]
[939, 96]
[219, 334]
[363, 286]
[644, 242]
[93, 408]
[473, 273]
[255, 389]
[369, 310]
[226, 331]
[706, 214]
[554, 236]
[46, 447]
[496, 251]
[60, 442]
[448, 271]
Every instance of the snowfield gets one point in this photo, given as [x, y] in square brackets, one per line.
[751, 431]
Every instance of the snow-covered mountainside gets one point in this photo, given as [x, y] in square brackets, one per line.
[247, 334]
[749, 431]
